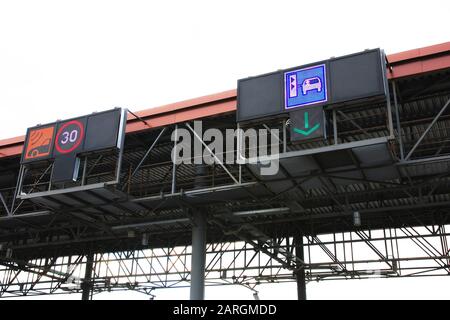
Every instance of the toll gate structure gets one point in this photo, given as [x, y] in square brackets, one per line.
[369, 200]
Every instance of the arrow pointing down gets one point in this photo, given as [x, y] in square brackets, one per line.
[307, 132]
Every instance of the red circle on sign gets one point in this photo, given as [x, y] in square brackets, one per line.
[65, 125]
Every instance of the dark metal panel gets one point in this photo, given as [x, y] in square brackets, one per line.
[280, 186]
[382, 174]
[374, 154]
[299, 165]
[260, 97]
[46, 202]
[347, 176]
[67, 200]
[102, 130]
[109, 194]
[131, 206]
[334, 159]
[113, 209]
[310, 184]
[357, 76]
[89, 197]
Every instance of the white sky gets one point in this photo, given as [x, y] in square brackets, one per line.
[65, 58]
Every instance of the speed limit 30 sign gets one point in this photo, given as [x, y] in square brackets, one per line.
[69, 137]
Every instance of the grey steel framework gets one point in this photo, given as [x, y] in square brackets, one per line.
[403, 252]
[370, 201]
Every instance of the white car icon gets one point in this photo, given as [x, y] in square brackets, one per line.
[314, 83]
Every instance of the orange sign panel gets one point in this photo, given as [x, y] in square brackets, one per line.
[39, 143]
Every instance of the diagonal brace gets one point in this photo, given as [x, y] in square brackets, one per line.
[212, 153]
[427, 130]
[145, 156]
[4, 204]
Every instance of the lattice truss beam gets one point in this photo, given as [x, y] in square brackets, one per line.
[403, 252]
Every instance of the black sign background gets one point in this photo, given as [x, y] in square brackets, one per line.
[260, 96]
[307, 123]
[102, 131]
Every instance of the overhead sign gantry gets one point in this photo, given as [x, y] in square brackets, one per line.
[304, 102]
[64, 145]
[301, 92]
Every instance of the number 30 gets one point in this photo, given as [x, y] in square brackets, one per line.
[69, 137]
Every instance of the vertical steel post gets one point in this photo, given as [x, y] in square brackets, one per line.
[51, 178]
[18, 189]
[174, 168]
[238, 151]
[397, 116]
[335, 130]
[83, 178]
[300, 274]
[87, 285]
[239, 145]
[121, 143]
[198, 257]
[390, 122]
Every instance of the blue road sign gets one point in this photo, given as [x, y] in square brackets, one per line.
[304, 87]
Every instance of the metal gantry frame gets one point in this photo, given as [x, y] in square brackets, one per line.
[361, 254]
[283, 247]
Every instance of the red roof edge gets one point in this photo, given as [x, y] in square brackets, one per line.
[186, 104]
[11, 141]
[404, 57]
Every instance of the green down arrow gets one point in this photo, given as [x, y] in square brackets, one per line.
[307, 132]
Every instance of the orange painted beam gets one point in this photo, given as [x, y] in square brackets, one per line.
[418, 61]
[206, 106]
[403, 64]
[418, 67]
[403, 57]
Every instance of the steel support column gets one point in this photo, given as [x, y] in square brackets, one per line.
[86, 285]
[198, 257]
[174, 160]
[300, 274]
[397, 117]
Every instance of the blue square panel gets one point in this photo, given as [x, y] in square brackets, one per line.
[304, 87]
